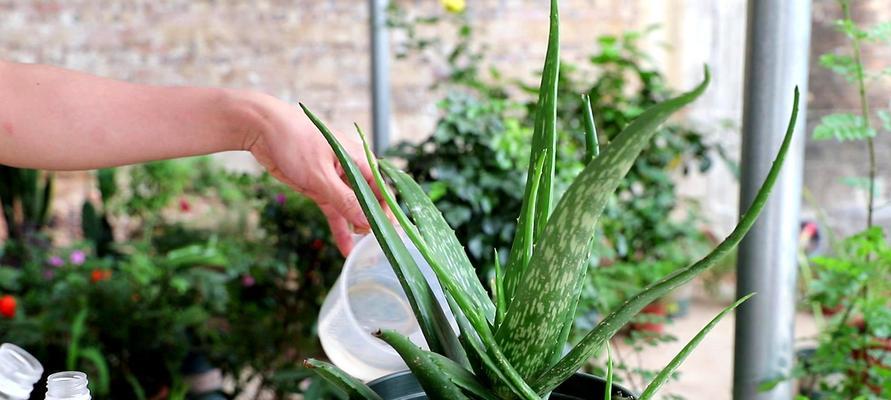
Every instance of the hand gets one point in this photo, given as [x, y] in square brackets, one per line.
[295, 152]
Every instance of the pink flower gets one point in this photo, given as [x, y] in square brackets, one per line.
[248, 281]
[48, 274]
[184, 205]
[78, 257]
[56, 261]
[280, 199]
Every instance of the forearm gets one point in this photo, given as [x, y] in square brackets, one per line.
[57, 119]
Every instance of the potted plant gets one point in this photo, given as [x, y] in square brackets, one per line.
[510, 345]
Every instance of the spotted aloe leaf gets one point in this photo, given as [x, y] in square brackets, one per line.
[545, 292]
[442, 244]
[451, 345]
[536, 207]
[437, 375]
[592, 341]
[477, 326]
[434, 325]
[672, 366]
[352, 387]
[485, 364]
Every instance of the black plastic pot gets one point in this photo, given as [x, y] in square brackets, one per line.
[404, 386]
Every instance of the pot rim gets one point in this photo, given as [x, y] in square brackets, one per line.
[399, 374]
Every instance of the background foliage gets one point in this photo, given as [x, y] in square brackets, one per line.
[204, 276]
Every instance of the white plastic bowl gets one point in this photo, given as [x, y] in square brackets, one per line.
[365, 298]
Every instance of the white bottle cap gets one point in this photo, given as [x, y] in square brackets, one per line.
[19, 371]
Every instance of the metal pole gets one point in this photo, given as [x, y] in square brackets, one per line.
[777, 46]
[380, 75]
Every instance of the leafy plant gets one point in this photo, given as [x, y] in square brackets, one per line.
[853, 349]
[25, 199]
[470, 165]
[848, 290]
[857, 126]
[243, 292]
[511, 345]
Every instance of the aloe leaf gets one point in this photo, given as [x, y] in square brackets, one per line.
[490, 363]
[669, 369]
[500, 299]
[354, 388]
[441, 243]
[544, 141]
[430, 316]
[618, 318]
[568, 319]
[592, 146]
[437, 383]
[525, 253]
[456, 373]
[451, 344]
[544, 294]
[476, 319]
[608, 391]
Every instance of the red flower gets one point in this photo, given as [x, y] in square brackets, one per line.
[8, 306]
[99, 275]
[317, 244]
[184, 205]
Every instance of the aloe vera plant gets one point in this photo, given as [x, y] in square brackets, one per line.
[510, 342]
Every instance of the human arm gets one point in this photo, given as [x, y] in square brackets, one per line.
[57, 119]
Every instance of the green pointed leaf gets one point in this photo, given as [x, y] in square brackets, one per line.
[451, 344]
[441, 243]
[102, 381]
[486, 362]
[501, 299]
[437, 382]
[592, 146]
[544, 294]
[431, 318]
[568, 319]
[475, 318]
[536, 206]
[451, 370]
[608, 390]
[354, 388]
[669, 369]
[528, 242]
[618, 318]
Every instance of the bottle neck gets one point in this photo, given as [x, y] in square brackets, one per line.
[69, 385]
[4, 396]
[19, 370]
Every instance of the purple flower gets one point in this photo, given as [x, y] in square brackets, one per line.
[56, 261]
[248, 281]
[77, 257]
[280, 199]
[48, 274]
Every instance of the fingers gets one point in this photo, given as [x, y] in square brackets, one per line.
[340, 230]
[357, 153]
[344, 202]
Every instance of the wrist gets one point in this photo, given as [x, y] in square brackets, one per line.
[248, 117]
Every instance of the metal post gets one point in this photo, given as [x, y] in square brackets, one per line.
[777, 45]
[380, 75]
